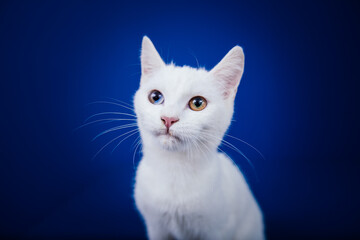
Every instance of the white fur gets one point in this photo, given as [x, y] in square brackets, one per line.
[185, 188]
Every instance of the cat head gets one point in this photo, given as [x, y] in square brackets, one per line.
[184, 108]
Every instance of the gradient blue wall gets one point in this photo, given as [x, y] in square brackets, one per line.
[297, 103]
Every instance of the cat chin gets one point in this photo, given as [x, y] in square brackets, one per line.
[170, 142]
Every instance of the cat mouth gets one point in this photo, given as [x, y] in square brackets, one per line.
[167, 134]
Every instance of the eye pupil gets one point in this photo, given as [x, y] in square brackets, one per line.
[156, 96]
[198, 102]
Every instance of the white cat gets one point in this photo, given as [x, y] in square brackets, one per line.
[185, 188]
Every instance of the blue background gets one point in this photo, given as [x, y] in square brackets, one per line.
[297, 103]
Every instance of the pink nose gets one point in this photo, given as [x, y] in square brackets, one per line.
[168, 121]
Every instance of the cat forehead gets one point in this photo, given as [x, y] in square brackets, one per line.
[174, 78]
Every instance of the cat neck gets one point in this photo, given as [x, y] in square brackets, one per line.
[194, 157]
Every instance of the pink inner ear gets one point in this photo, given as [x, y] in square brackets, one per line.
[229, 79]
[149, 67]
[150, 58]
[229, 70]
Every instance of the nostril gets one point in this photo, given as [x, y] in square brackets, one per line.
[172, 121]
[168, 121]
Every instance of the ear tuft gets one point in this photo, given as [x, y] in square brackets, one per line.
[150, 58]
[229, 70]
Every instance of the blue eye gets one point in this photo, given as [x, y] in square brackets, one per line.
[156, 97]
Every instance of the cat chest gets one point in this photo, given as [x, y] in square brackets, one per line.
[172, 188]
[176, 192]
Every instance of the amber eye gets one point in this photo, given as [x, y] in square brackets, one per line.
[156, 97]
[197, 103]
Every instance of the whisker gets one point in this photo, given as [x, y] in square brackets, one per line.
[207, 147]
[241, 153]
[114, 129]
[112, 103]
[226, 155]
[113, 141]
[106, 119]
[119, 101]
[196, 145]
[226, 143]
[199, 144]
[124, 139]
[246, 144]
[137, 146]
[197, 62]
[135, 141]
[201, 147]
[108, 113]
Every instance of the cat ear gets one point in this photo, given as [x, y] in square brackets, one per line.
[150, 58]
[229, 71]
